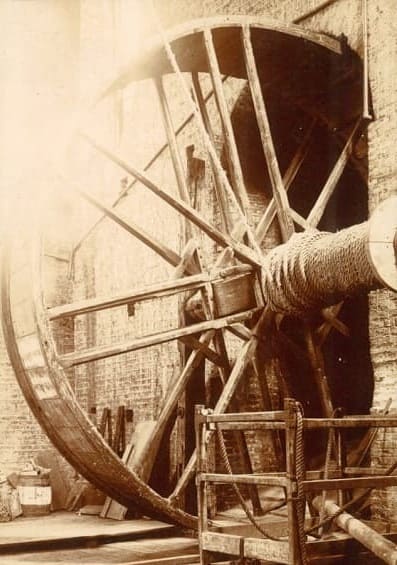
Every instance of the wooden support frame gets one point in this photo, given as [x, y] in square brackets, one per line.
[288, 550]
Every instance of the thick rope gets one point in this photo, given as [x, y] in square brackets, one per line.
[236, 489]
[300, 477]
[317, 269]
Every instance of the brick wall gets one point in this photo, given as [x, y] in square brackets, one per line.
[40, 90]
[382, 183]
[135, 379]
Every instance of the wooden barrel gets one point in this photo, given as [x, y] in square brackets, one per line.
[34, 493]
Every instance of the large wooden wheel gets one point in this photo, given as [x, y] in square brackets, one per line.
[275, 63]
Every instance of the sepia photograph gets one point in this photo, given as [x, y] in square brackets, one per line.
[198, 277]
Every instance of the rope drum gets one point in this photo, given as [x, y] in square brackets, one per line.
[316, 269]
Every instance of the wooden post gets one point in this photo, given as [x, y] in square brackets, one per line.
[292, 487]
[201, 485]
[369, 538]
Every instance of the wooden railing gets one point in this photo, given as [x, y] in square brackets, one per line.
[296, 547]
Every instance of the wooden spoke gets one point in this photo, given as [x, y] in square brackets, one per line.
[144, 464]
[243, 359]
[300, 220]
[230, 142]
[210, 354]
[318, 209]
[172, 141]
[271, 210]
[279, 192]
[241, 251]
[151, 161]
[103, 352]
[154, 244]
[219, 190]
[149, 292]
[332, 321]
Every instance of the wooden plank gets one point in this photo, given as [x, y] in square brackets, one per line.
[243, 359]
[351, 422]
[95, 353]
[209, 353]
[249, 548]
[317, 364]
[143, 430]
[257, 479]
[144, 463]
[249, 426]
[323, 551]
[272, 551]
[221, 543]
[279, 191]
[228, 133]
[242, 252]
[207, 141]
[268, 416]
[188, 559]
[294, 545]
[349, 483]
[364, 471]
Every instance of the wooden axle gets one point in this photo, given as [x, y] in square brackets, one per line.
[369, 538]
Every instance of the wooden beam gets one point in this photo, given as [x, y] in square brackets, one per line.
[249, 479]
[103, 352]
[207, 141]
[279, 192]
[365, 421]
[288, 178]
[379, 481]
[241, 251]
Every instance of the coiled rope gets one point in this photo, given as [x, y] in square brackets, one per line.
[316, 269]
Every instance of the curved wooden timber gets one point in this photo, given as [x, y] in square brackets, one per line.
[26, 323]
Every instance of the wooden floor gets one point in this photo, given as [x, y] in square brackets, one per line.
[167, 551]
[65, 537]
